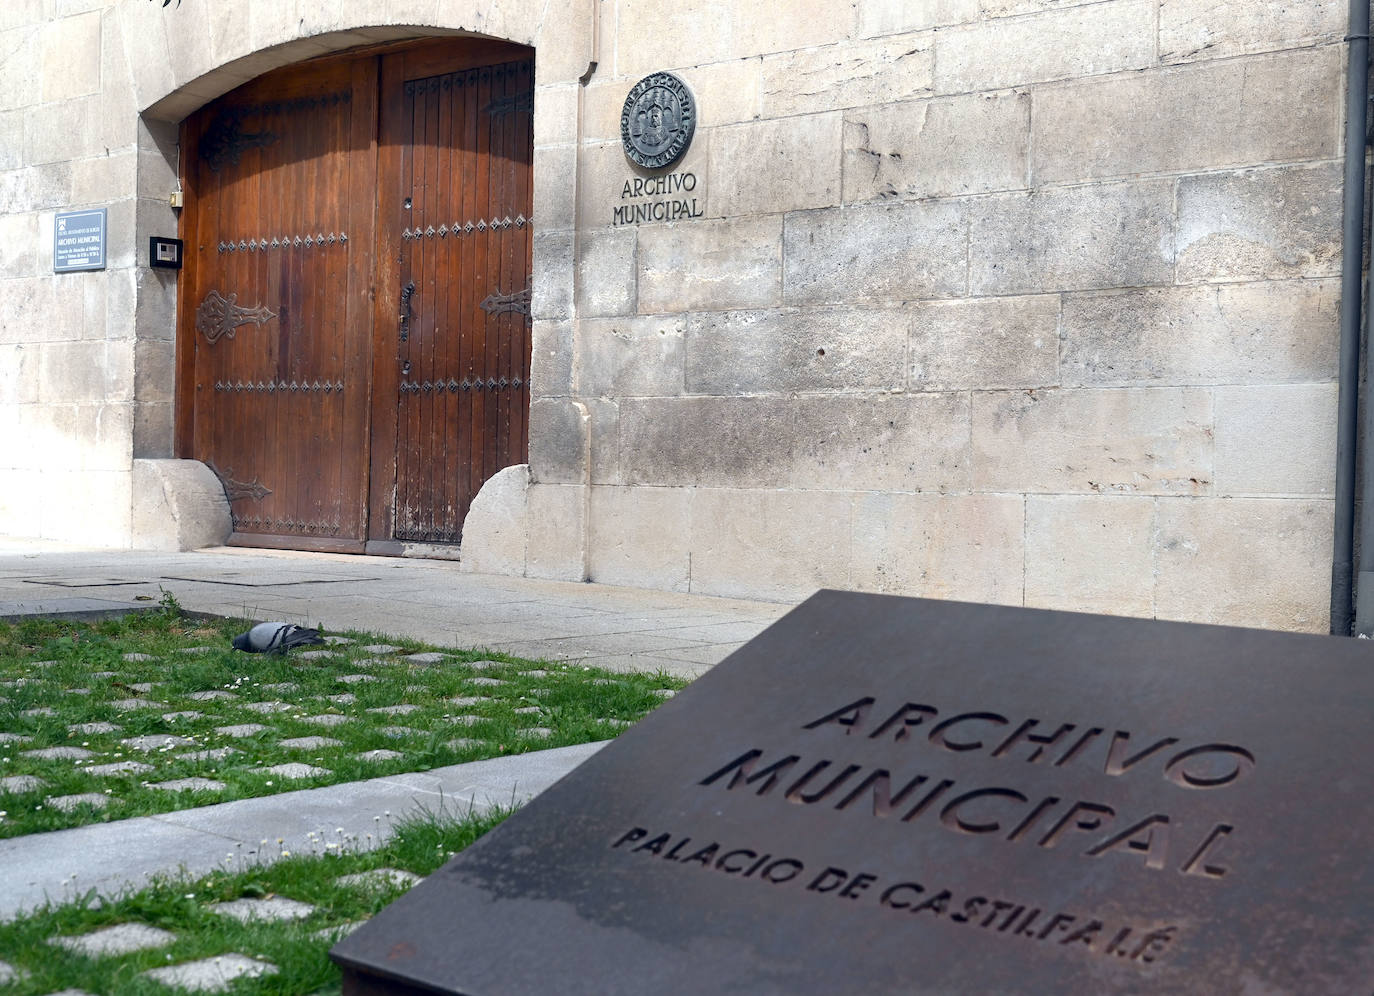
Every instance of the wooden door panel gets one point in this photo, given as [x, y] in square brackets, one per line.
[278, 335]
[324, 202]
[455, 203]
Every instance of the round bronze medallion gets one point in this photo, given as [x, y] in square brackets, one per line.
[658, 120]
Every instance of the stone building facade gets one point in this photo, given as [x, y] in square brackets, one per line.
[1017, 301]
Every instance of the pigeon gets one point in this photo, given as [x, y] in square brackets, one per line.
[275, 638]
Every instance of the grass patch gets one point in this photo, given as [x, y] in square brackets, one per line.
[182, 906]
[151, 699]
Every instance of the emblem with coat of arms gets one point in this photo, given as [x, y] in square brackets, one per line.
[658, 120]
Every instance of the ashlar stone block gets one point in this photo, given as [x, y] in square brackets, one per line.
[1058, 44]
[1281, 331]
[640, 537]
[1103, 235]
[779, 165]
[876, 254]
[1009, 8]
[1261, 561]
[937, 148]
[630, 357]
[21, 55]
[558, 441]
[769, 544]
[551, 359]
[965, 547]
[1090, 553]
[1125, 441]
[882, 442]
[557, 533]
[886, 17]
[554, 200]
[984, 343]
[606, 272]
[854, 74]
[1218, 29]
[553, 275]
[1192, 118]
[1276, 439]
[749, 352]
[1264, 223]
[710, 265]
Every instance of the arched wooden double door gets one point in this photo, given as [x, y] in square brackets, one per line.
[353, 353]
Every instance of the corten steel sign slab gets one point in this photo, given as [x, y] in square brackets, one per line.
[885, 795]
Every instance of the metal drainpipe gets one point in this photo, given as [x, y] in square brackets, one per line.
[1347, 427]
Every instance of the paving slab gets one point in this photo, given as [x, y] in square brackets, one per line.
[123, 938]
[188, 785]
[59, 753]
[214, 754]
[119, 768]
[213, 695]
[427, 658]
[316, 655]
[129, 705]
[380, 648]
[267, 708]
[380, 754]
[241, 730]
[68, 803]
[273, 908]
[326, 719]
[309, 743]
[20, 783]
[150, 742]
[377, 879]
[395, 710]
[97, 727]
[15, 738]
[293, 770]
[212, 975]
[8, 973]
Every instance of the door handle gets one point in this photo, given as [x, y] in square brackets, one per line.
[405, 310]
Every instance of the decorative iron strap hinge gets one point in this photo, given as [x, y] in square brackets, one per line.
[225, 140]
[218, 316]
[497, 303]
[234, 490]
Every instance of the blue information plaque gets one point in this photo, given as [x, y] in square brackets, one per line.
[78, 240]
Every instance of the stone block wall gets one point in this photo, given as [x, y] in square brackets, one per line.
[1023, 301]
[69, 391]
